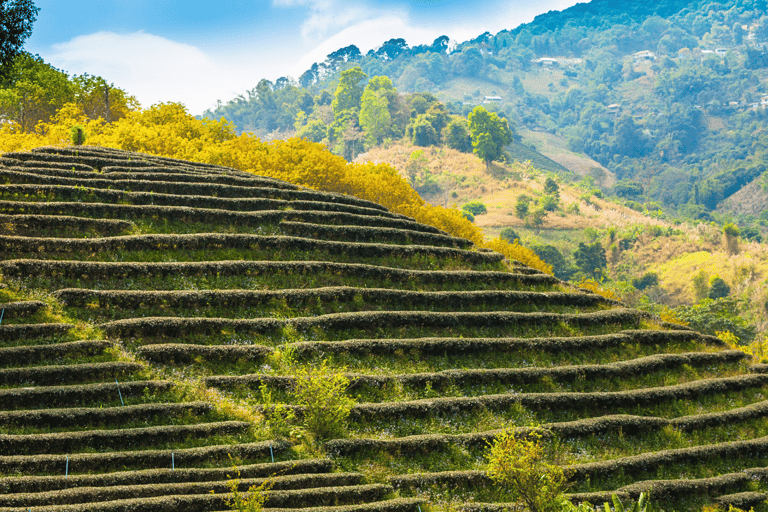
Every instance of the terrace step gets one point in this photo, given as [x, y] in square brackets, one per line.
[68, 442]
[446, 301]
[64, 193]
[208, 241]
[21, 309]
[32, 225]
[34, 484]
[94, 270]
[506, 376]
[77, 395]
[371, 234]
[92, 416]
[121, 492]
[15, 332]
[625, 423]
[181, 353]
[92, 213]
[123, 173]
[323, 496]
[31, 354]
[67, 374]
[171, 187]
[593, 401]
[458, 346]
[140, 459]
[368, 320]
[393, 505]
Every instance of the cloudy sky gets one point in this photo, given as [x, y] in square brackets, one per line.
[197, 52]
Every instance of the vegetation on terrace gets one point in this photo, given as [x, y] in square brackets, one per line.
[139, 362]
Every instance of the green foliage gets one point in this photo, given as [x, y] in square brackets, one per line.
[519, 464]
[718, 315]
[456, 135]
[490, 133]
[349, 91]
[16, 20]
[321, 392]
[718, 288]
[642, 504]
[475, 207]
[730, 229]
[552, 256]
[649, 279]
[590, 259]
[550, 186]
[549, 203]
[467, 215]
[510, 235]
[77, 135]
[522, 206]
[251, 501]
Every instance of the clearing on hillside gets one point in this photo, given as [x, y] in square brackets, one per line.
[159, 315]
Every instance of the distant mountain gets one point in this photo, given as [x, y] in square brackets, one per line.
[665, 95]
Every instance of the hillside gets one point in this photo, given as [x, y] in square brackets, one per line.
[157, 312]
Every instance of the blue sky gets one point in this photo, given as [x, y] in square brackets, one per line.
[197, 52]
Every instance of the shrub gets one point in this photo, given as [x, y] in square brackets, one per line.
[475, 207]
[321, 392]
[519, 464]
[253, 500]
[509, 235]
[77, 135]
[649, 279]
[718, 288]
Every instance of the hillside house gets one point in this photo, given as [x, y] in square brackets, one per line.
[492, 99]
[546, 61]
[644, 55]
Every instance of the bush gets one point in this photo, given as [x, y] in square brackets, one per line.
[718, 288]
[321, 392]
[467, 215]
[509, 235]
[519, 465]
[77, 135]
[475, 208]
[649, 279]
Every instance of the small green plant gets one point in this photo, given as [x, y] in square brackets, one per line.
[250, 501]
[77, 135]
[519, 464]
[641, 505]
[321, 392]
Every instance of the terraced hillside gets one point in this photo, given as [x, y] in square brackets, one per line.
[155, 311]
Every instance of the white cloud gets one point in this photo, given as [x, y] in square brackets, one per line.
[152, 68]
[366, 35]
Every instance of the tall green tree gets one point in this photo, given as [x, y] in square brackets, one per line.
[34, 92]
[375, 112]
[490, 133]
[349, 91]
[16, 19]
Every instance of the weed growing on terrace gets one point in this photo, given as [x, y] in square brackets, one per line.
[519, 464]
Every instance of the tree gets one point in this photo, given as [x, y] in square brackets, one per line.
[34, 92]
[349, 91]
[374, 116]
[550, 186]
[718, 288]
[590, 259]
[490, 133]
[522, 206]
[456, 135]
[509, 235]
[16, 19]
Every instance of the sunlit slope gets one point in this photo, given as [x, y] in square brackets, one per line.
[152, 305]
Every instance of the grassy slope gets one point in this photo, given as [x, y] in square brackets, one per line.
[526, 358]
